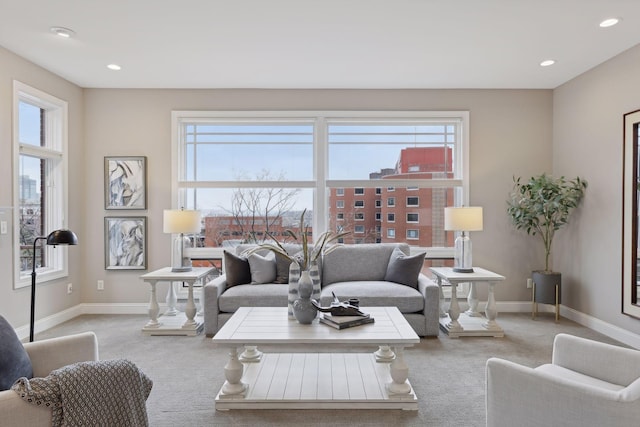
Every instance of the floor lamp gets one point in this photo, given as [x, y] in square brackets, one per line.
[463, 219]
[58, 237]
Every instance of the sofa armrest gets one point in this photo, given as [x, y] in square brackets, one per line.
[607, 362]
[54, 353]
[211, 293]
[431, 294]
[522, 396]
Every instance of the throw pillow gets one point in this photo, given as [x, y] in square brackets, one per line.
[14, 360]
[263, 268]
[404, 269]
[282, 269]
[237, 270]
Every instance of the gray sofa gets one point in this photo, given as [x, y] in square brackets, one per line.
[349, 271]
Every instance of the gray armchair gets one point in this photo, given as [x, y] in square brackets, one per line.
[46, 356]
[588, 383]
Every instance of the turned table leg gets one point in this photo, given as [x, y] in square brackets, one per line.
[399, 374]
[233, 371]
[154, 308]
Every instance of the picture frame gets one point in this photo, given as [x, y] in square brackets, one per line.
[125, 240]
[125, 182]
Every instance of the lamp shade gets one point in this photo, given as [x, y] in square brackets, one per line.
[181, 221]
[62, 237]
[463, 218]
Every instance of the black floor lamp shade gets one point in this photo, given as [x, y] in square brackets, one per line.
[58, 237]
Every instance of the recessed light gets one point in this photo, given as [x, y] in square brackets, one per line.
[547, 62]
[609, 22]
[62, 32]
[114, 67]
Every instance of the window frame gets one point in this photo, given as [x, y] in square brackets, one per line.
[55, 151]
[321, 184]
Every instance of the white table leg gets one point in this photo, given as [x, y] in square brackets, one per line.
[172, 300]
[492, 311]
[384, 354]
[190, 309]
[443, 312]
[154, 309]
[399, 373]
[454, 310]
[233, 372]
[251, 354]
[472, 299]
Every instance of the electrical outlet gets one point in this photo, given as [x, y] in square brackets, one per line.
[69, 288]
[3, 227]
[101, 285]
[529, 283]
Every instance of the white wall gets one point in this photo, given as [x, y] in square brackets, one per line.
[587, 134]
[51, 296]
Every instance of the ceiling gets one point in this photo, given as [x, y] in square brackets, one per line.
[319, 43]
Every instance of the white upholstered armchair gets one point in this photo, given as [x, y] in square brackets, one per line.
[588, 383]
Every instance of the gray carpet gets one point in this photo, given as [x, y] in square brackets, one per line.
[446, 374]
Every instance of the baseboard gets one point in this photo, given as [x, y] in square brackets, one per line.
[612, 331]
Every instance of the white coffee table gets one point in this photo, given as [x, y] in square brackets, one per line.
[315, 379]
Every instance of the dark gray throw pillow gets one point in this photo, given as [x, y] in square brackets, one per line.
[282, 269]
[236, 269]
[14, 360]
[404, 269]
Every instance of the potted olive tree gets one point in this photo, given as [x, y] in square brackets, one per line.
[540, 207]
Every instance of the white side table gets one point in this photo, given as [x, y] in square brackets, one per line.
[183, 323]
[470, 323]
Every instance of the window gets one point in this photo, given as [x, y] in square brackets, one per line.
[340, 216]
[40, 181]
[391, 233]
[358, 229]
[359, 216]
[310, 159]
[391, 217]
[413, 234]
[413, 201]
[378, 216]
[413, 217]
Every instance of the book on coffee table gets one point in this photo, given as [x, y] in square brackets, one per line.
[342, 322]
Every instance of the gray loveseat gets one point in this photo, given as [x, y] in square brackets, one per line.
[349, 271]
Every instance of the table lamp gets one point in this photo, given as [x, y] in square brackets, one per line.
[463, 219]
[180, 221]
[58, 237]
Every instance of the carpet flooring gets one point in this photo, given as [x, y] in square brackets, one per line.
[447, 374]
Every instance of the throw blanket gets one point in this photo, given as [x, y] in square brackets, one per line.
[97, 393]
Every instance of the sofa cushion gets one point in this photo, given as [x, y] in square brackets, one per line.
[358, 262]
[236, 269]
[263, 268]
[14, 360]
[404, 269]
[375, 294]
[267, 295]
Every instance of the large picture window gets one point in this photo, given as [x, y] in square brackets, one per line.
[40, 181]
[250, 173]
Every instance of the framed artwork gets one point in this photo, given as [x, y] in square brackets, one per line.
[125, 182]
[125, 241]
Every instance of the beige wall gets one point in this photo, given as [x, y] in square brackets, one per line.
[510, 134]
[51, 296]
[588, 138]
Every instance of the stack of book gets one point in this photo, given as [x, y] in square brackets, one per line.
[342, 322]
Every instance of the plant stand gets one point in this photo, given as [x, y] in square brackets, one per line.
[546, 290]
